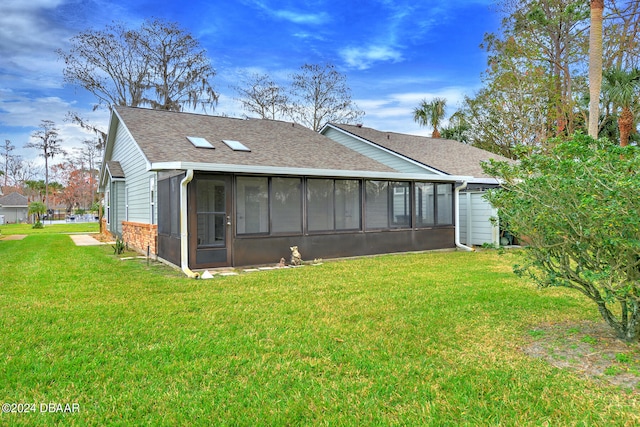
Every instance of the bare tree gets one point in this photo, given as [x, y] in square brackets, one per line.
[179, 69]
[46, 139]
[74, 117]
[104, 63]
[20, 171]
[320, 95]
[260, 95]
[90, 155]
[158, 64]
[621, 34]
[7, 148]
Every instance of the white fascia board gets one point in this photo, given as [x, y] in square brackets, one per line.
[273, 170]
[380, 147]
[111, 130]
[484, 181]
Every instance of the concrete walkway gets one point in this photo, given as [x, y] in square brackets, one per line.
[85, 240]
[13, 237]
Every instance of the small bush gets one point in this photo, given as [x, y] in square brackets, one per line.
[576, 209]
[119, 247]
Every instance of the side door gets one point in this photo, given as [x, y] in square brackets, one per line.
[210, 221]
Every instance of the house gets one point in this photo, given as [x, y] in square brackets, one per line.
[14, 208]
[439, 157]
[202, 191]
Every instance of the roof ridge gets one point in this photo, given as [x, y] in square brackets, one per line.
[193, 113]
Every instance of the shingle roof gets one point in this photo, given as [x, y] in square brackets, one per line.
[115, 169]
[14, 199]
[451, 157]
[162, 137]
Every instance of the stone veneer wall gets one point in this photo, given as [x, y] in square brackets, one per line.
[139, 235]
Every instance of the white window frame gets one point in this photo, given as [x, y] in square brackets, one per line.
[152, 202]
[108, 206]
[126, 203]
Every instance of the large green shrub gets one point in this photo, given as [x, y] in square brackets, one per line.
[578, 208]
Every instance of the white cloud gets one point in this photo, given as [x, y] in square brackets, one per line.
[306, 35]
[20, 116]
[294, 16]
[27, 26]
[28, 40]
[394, 112]
[363, 58]
[20, 111]
[31, 81]
[301, 18]
[453, 94]
[228, 106]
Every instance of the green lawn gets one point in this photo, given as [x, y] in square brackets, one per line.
[417, 339]
[71, 227]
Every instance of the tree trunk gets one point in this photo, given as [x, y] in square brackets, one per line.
[595, 65]
[625, 124]
[627, 328]
[632, 326]
[561, 121]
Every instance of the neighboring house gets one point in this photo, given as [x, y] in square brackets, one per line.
[204, 191]
[14, 208]
[437, 156]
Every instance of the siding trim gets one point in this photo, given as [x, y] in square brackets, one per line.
[329, 173]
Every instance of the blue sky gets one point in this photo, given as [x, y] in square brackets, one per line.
[393, 52]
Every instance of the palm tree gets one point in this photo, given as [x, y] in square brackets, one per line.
[595, 65]
[39, 209]
[430, 113]
[458, 128]
[623, 90]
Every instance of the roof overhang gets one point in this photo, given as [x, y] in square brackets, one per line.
[273, 170]
[488, 181]
[114, 169]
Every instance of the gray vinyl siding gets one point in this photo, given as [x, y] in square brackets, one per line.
[137, 177]
[119, 211]
[116, 206]
[477, 228]
[13, 214]
[376, 153]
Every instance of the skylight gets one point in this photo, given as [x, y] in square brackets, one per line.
[235, 145]
[199, 142]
